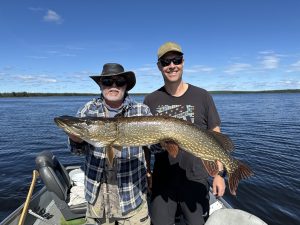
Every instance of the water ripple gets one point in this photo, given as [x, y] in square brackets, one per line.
[265, 129]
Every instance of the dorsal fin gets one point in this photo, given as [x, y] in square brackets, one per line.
[122, 113]
[223, 140]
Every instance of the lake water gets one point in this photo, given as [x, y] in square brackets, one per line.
[264, 127]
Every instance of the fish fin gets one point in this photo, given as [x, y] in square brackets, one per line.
[96, 144]
[223, 140]
[117, 147]
[211, 167]
[170, 146]
[110, 153]
[122, 113]
[241, 172]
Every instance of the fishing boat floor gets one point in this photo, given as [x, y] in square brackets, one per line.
[54, 212]
[55, 216]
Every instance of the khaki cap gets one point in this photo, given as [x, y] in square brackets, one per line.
[168, 47]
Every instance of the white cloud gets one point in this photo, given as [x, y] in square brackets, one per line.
[68, 55]
[36, 79]
[147, 70]
[52, 52]
[80, 76]
[60, 53]
[270, 61]
[35, 9]
[199, 69]
[295, 67]
[74, 48]
[52, 16]
[237, 67]
[7, 68]
[292, 84]
[37, 57]
[266, 52]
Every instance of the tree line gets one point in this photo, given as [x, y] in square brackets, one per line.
[29, 94]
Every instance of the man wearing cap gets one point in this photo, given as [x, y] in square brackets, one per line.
[115, 191]
[179, 179]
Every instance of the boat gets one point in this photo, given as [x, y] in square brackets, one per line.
[61, 200]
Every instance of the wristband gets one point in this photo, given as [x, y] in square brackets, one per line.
[222, 173]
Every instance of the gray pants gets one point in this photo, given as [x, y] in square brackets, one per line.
[139, 216]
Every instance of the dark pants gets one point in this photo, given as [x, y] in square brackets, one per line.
[179, 183]
[191, 197]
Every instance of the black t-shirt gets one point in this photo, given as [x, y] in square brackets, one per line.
[195, 105]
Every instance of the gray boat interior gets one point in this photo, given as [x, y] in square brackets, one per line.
[57, 181]
[50, 204]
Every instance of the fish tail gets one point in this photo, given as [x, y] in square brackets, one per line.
[242, 171]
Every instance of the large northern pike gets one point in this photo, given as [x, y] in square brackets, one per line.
[147, 130]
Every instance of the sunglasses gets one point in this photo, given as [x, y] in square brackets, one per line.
[109, 81]
[176, 60]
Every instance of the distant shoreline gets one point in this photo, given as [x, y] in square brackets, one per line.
[29, 94]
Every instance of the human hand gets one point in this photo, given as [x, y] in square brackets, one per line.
[171, 147]
[219, 186]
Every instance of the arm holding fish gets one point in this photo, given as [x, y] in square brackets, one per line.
[213, 124]
[218, 181]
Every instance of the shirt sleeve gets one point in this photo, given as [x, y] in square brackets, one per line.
[213, 118]
[147, 111]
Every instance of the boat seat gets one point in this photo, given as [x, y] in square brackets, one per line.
[233, 217]
[59, 184]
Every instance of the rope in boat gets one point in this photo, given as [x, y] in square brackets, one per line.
[35, 175]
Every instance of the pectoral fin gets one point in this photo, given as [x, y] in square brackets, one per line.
[211, 167]
[110, 153]
[119, 148]
[170, 146]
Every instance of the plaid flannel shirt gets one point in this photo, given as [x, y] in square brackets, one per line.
[131, 164]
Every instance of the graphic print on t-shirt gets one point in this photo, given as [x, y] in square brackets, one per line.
[185, 112]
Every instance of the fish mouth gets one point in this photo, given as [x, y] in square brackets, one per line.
[68, 127]
[61, 122]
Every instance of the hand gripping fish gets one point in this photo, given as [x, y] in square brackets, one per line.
[147, 130]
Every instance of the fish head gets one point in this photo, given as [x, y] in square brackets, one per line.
[99, 132]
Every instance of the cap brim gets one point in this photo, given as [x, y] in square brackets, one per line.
[173, 50]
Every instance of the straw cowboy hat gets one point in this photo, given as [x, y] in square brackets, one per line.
[115, 69]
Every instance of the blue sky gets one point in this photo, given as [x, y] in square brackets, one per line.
[54, 46]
